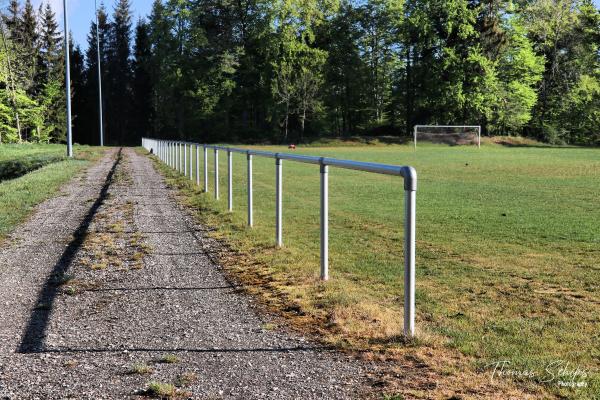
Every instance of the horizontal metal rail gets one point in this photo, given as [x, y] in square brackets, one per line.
[174, 154]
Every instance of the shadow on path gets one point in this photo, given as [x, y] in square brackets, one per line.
[165, 288]
[34, 335]
[187, 350]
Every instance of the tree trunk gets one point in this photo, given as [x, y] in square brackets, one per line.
[302, 122]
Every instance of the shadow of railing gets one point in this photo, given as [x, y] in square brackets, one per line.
[34, 334]
[283, 349]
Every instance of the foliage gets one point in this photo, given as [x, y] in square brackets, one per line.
[291, 70]
[32, 104]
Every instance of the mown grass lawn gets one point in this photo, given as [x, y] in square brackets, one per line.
[508, 243]
[15, 151]
[19, 196]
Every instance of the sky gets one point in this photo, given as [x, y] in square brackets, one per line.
[81, 14]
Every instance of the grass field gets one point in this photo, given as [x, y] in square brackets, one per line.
[19, 196]
[15, 151]
[508, 243]
[18, 159]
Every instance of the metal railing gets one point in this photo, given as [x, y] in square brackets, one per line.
[175, 154]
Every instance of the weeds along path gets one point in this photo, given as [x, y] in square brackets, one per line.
[108, 292]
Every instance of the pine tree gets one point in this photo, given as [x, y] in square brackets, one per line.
[142, 83]
[13, 18]
[29, 46]
[119, 97]
[80, 101]
[51, 76]
[89, 118]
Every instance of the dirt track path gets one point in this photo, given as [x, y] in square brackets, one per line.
[109, 287]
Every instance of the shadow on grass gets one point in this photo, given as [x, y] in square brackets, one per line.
[34, 335]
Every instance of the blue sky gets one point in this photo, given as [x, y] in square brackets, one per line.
[81, 13]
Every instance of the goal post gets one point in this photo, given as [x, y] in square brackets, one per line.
[448, 134]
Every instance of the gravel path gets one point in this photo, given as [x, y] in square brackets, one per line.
[109, 287]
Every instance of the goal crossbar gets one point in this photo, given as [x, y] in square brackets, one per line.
[477, 128]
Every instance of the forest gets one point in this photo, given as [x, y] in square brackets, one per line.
[296, 70]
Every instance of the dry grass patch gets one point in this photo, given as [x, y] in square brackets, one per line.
[169, 359]
[186, 379]
[141, 369]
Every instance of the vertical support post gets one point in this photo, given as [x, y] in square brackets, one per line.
[250, 199]
[176, 156]
[410, 204]
[67, 32]
[216, 173]
[198, 165]
[191, 162]
[99, 64]
[185, 159]
[278, 202]
[229, 181]
[324, 222]
[415, 136]
[205, 169]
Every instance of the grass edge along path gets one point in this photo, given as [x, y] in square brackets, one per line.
[20, 196]
[424, 368]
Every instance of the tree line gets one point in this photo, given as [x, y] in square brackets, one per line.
[294, 70]
[32, 100]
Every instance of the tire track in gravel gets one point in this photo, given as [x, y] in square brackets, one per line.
[143, 307]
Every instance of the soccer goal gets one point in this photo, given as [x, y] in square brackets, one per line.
[448, 134]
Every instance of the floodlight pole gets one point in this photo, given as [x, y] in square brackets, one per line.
[68, 82]
[99, 76]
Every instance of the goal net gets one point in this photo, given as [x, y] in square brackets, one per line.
[448, 134]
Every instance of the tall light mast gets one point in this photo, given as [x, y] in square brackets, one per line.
[68, 82]
[99, 76]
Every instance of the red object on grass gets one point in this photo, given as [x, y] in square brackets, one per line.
[292, 147]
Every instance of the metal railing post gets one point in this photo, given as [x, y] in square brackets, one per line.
[179, 160]
[198, 165]
[324, 222]
[216, 173]
[278, 201]
[185, 167]
[191, 162]
[250, 199]
[410, 205]
[205, 169]
[229, 181]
